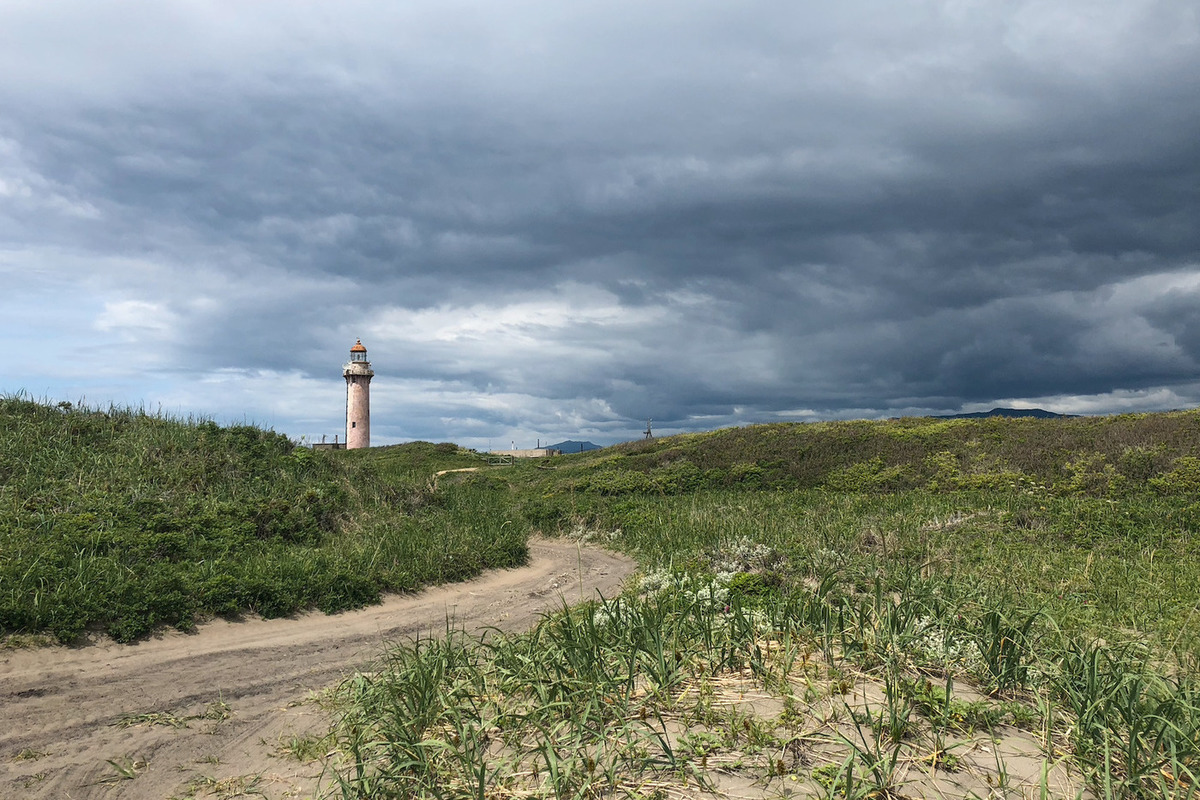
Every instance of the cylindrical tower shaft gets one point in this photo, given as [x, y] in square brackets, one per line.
[358, 374]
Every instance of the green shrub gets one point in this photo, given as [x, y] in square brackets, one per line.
[755, 588]
[1002, 480]
[677, 477]
[1182, 480]
[1091, 475]
[751, 476]
[617, 482]
[870, 476]
[943, 469]
[1140, 464]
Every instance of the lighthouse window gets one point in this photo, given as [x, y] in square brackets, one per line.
[353, 424]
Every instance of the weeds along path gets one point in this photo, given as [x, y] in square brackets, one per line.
[214, 713]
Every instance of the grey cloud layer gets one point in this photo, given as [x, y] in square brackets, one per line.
[784, 207]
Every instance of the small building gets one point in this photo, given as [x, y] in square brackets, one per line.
[537, 452]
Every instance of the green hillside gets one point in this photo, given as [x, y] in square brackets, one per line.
[911, 608]
[1106, 455]
[1094, 518]
[905, 599]
[125, 521]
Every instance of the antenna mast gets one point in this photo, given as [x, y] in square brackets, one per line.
[649, 433]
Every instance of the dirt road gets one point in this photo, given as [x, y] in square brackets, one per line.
[210, 714]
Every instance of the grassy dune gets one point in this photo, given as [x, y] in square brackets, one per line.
[986, 608]
[1092, 519]
[123, 521]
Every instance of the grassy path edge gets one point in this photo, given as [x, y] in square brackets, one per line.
[70, 714]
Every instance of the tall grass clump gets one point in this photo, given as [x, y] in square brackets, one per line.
[1135, 728]
[124, 521]
[581, 706]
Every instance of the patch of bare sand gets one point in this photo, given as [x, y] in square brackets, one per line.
[208, 714]
[815, 719]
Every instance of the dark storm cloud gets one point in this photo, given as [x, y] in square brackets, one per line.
[696, 213]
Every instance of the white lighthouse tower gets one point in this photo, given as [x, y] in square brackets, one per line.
[358, 374]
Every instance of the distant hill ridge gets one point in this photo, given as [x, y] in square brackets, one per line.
[1008, 412]
[1109, 454]
[572, 446]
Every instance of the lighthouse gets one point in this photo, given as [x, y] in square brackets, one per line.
[358, 374]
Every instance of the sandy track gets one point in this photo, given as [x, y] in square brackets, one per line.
[60, 707]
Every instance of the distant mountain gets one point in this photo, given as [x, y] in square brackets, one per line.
[572, 446]
[1007, 412]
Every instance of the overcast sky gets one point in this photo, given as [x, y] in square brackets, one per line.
[551, 220]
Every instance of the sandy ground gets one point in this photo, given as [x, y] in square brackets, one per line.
[208, 714]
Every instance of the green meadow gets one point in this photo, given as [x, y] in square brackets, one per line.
[988, 608]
